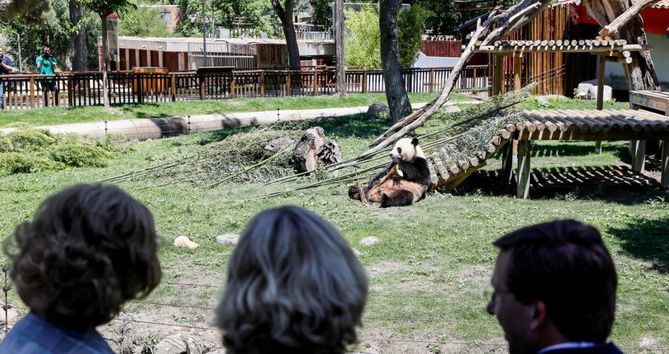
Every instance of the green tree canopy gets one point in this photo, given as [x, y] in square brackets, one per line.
[410, 28]
[363, 38]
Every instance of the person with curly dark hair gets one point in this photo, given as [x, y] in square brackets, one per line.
[294, 285]
[88, 250]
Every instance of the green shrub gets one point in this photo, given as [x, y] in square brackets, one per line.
[80, 155]
[16, 162]
[6, 144]
[30, 139]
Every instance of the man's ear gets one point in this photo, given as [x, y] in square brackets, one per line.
[539, 315]
[414, 141]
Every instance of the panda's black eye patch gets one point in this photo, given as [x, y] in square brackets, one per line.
[399, 150]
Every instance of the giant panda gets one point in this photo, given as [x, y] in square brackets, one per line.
[402, 183]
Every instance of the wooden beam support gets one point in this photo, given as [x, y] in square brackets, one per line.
[524, 152]
[638, 151]
[600, 93]
[498, 78]
[516, 72]
[600, 82]
[664, 164]
[507, 163]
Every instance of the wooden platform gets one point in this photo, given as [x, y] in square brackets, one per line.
[593, 125]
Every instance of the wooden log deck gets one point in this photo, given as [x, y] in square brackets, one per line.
[589, 125]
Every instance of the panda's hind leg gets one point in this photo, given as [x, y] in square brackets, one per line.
[399, 198]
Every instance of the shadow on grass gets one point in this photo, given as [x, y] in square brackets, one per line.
[616, 184]
[566, 149]
[363, 126]
[647, 240]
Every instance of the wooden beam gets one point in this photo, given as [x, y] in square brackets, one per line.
[638, 155]
[507, 162]
[664, 164]
[524, 152]
[600, 93]
[498, 79]
[593, 48]
[516, 72]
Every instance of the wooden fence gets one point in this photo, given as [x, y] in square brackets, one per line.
[85, 88]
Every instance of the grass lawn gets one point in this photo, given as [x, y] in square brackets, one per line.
[62, 115]
[434, 260]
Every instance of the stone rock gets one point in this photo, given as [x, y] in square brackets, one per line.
[184, 242]
[227, 239]
[378, 109]
[315, 149]
[357, 253]
[370, 240]
[178, 344]
[276, 145]
[452, 109]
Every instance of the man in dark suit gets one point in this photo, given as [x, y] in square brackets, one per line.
[555, 290]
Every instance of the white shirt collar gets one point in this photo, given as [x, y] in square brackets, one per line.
[567, 345]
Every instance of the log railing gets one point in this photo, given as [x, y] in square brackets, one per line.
[76, 89]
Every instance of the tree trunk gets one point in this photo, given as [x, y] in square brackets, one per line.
[105, 62]
[642, 70]
[79, 62]
[339, 30]
[398, 100]
[286, 17]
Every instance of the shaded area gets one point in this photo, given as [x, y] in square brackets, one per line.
[647, 240]
[363, 126]
[613, 183]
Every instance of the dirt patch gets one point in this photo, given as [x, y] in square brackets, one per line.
[386, 267]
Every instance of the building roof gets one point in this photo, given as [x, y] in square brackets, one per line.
[425, 61]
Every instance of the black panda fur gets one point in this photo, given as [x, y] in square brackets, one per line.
[408, 188]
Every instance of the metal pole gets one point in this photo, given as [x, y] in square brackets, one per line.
[204, 33]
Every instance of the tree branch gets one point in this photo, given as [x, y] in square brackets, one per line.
[629, 14]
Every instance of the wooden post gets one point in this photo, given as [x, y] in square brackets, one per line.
[364, 81]
[174, 86]
[290, 78]
[524, 152]
[315, 90]
[432, 84]
[498, 78]
[638, 155]
[262, 83]
[516, 72]
[507, 162]
[664, 164]
[600, 94]
[202, 86]
[32, 91]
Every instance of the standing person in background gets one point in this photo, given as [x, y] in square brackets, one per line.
[47, 65]
[6, 67]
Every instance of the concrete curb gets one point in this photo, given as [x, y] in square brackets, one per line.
[155, 128]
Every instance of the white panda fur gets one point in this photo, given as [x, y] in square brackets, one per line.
[409, 182]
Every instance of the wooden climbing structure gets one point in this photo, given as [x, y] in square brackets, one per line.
[589, 125]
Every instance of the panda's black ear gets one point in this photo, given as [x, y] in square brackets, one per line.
[414, 141]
